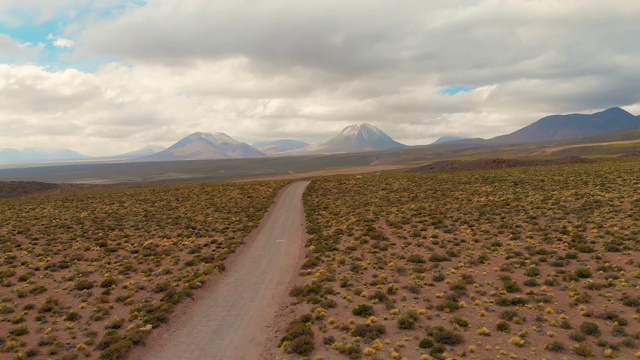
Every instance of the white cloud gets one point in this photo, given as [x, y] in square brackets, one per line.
[63, 43]
[11, 49]
[287, 68]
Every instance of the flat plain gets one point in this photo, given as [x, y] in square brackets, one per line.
[86, 270]
[538, 262]
[457, 260]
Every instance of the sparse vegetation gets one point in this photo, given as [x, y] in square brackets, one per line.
[85, 267]
[519, 258]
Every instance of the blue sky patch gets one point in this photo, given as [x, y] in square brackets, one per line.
[455, 89]
[24, 28]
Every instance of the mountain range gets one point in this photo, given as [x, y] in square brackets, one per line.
[353, 138]
[561, 127]
[28, 155]
[279, 146]
[201, 145]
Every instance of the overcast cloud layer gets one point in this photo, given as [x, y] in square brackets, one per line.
[261, 70]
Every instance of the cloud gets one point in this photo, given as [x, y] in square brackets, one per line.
[60, 42]
[286, 68]
[11, 50]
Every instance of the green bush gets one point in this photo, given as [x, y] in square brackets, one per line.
[72, 316]
[435, 257]
[446, 337]
[108, 282]
[583, 350]
[590, 328]
[83, 284]
[302, 345]
[369, 331]
[583, 273]
[363, 310]
[20, 331]
[426, 343]
[117, 350]
[406, 322]
[502, 326]
[416, 259]
[460, 321]
[555, 346]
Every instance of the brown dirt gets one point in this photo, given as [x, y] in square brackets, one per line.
[233, 316]
[356, 170]
[497, 163]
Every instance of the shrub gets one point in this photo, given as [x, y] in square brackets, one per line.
[590, 328]
[555, 346]
[632, 301]
[583, 273]
[108, 282]
[532, 272]
[109, 338]
[583, 350]
[19, 331]
[435, 257]
[446, 337]
[502, 326]
[83, 284]
[448, 305]
[416, 259]
[509, 315]
[577, 336]
[512, 287]
[460, 321]
[437, 349]
[426, 343]
[161, 287]
[406, 322]
[364, 310]
[302, 345]
[369, 331]
[117, 350]
[72, 316]
[46, 340]
[378, 295]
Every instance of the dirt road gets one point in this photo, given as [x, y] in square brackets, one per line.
[230, 321]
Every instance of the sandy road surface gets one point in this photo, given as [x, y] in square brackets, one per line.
[231, 320]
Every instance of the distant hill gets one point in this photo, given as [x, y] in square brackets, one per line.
[30, 155]
[448, 138]
[145, 151]
[353, 138]
[9, 189]
[279, 146]
[560, 127]
[201, 146]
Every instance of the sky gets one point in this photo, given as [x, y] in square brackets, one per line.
[110, 76]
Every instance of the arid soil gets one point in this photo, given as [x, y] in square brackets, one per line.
[537, 262]
[355, 170]
[84, 270]
[231, 319]
[497, 163]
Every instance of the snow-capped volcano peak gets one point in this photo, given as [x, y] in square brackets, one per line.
[364, 130]
[353, 138]
[215, 138]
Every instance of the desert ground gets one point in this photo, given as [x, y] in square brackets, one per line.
[86, 270]
[522, 261]
[532, 262]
